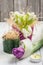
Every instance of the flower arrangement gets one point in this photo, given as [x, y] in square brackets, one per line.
[22, 30]
[23, 23]
[10, 40]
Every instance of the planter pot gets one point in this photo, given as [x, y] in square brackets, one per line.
[9, 44]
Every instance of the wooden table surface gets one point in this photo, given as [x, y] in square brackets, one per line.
[8, 59]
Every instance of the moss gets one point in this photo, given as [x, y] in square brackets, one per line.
[9, 44]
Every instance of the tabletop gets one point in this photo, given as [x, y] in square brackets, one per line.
[9, 59]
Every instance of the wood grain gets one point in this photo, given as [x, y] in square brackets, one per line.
[19, 5]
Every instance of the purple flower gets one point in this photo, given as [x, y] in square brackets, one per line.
[18, 52]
